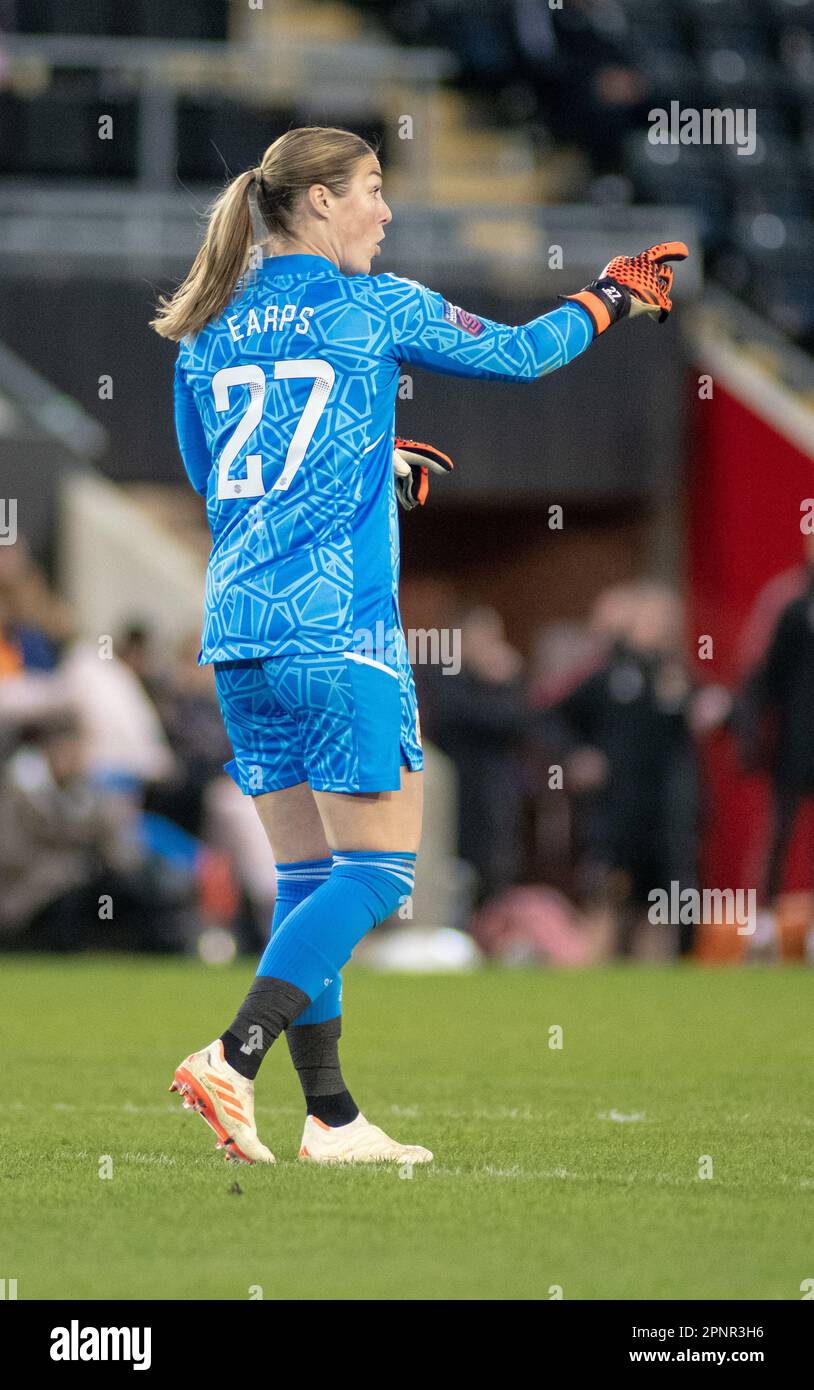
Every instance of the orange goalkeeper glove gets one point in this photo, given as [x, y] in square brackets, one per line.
[631, 285]
[412, 465]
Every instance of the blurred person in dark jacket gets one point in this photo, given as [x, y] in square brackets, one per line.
[136, 646]
[72, 871]
[774, 721]
[625, 735]
[478, 718]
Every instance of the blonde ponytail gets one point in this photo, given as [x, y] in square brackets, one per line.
[289, 167]
[217, 267]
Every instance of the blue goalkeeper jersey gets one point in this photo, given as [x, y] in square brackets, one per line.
[285, 415]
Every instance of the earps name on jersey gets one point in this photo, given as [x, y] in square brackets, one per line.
[270, 319]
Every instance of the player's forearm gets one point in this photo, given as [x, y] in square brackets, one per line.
[506, 352]
[555, 339]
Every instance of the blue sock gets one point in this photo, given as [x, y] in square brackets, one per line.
[319, 934]
[295, 883]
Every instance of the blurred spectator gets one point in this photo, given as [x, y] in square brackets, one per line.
[562, 654]
[625, 739]
[478, 718]
[581, 60]
[197, 795]
[34, 622]
[45, 669]
[126, 746]
[188, 709]
[576, 66]
[775, 723]
[72, 870]
[135, 647]
[559, 650]
[768, 606]
[11, 655]
[153, 747]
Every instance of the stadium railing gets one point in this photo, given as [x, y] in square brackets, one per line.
[97, 227]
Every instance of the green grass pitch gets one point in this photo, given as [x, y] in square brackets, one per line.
[572, 1168]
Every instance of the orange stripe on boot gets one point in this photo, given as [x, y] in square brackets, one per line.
[235, 1114]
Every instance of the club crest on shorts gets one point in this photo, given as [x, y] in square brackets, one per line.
[468, 322]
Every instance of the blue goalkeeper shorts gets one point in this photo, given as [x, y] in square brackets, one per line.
[339, 721]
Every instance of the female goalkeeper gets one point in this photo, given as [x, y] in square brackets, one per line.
[285, 390]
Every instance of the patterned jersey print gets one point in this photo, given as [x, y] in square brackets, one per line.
[285, 415]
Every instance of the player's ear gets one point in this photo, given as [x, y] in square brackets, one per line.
[320, 199]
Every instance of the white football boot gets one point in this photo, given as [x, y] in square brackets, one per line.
[223, 1098]
[357, 1142]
